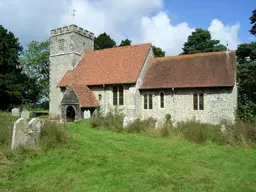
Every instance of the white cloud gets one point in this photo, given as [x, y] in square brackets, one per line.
[225, 33]
[33, 20]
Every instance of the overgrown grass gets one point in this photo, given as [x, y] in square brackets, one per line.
[102, 160]
[240, 134]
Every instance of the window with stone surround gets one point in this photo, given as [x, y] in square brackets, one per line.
[145, 101]
[198, 101]
[148, 101]
[61, 44]
[100, 97]
[118, 95]
[162, 99]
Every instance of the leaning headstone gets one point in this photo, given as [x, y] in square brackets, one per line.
[19, 134]
[127, 121]
[87, 114]
[35, 126]
[16, 112]
[95, 115]
[25, 114]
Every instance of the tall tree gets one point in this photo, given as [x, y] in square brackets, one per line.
[104, 41]
[15, 87]
[35, 62]
[200, 41]
[158, 52]
[246, 73]
[253, 21]
[125, 42]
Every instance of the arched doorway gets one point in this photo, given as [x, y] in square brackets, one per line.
[70, 114]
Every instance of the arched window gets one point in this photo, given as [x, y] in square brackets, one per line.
[162, 99]
[145, 102]
[100, 97]
[150, 98]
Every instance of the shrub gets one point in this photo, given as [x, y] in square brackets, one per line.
[141, 125]
[198, 132]
[112, 121]
[52, 135]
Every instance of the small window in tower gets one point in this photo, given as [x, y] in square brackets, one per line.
[61, 44]
[100, 97]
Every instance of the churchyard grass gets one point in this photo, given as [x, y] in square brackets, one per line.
[103, 160]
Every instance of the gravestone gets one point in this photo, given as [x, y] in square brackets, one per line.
[35, 126]
[87, 114]
[19, 133]
[16, 112]
[33, 114]
[26, 134]
[25, 114]
[127, 121]
[95, 115]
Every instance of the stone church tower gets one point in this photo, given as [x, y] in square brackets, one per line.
[67, 45]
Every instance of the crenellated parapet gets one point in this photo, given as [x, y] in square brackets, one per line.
[72, 28]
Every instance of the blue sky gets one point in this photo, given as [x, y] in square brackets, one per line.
[164, 23]
[199, 13]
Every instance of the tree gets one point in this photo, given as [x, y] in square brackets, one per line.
[158, 52]
[15, 87]
[125, 42]
[35, 62]
[246, 73]
[253, 21]
[104, 41]
[200, 41]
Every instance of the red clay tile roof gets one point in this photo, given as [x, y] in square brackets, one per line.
[85, 96]
[108, 66]
[196, 70]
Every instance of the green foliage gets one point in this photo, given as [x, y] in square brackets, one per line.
[35, 62]
[6, 123]
[112, 121]
[246, 53]
[139, 126]
[246, 73]
[103, 41]
[52, 135]
[125, 42]
[200, 41]
[15, 87]
[253, 21]
[158, 52]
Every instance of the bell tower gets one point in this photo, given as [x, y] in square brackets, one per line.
[67, 45]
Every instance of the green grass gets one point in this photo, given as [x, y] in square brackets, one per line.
[101, 160]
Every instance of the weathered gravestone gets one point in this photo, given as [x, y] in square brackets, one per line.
[25, 114]
[19, 133]
[26, 134]
[87, 114]
[16, 112]
[127, 121]
[35, 126]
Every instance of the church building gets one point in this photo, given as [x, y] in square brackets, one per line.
[130, 79]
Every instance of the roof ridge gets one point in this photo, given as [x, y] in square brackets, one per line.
[121, 47]
[191, 55]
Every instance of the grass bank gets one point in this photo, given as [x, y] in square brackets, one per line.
[103, 160]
